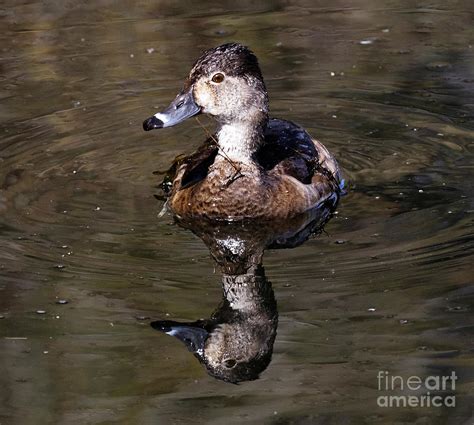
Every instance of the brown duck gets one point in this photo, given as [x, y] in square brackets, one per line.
[254, 166]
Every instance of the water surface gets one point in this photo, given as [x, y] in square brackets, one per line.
[387, 86]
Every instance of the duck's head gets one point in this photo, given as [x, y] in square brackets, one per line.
[225, 82]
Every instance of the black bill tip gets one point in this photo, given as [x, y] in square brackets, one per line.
[163, 325]
[152, 123]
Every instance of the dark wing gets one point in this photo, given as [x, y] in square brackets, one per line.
[198, 163]
[290, 148]
[197, 166]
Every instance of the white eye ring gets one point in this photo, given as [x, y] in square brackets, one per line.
[218, 77]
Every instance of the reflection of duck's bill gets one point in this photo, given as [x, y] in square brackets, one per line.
[193, 334]
[180, 109]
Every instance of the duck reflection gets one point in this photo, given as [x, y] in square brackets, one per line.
[236, 343]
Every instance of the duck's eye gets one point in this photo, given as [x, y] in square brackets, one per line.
[230, 363]
[218, 78]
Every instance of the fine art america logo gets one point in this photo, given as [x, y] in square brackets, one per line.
[414, 391]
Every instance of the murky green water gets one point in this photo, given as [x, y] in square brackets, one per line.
[387, 86]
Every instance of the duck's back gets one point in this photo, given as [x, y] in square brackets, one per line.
[290, 150]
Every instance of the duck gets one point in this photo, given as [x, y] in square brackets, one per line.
[253, 166]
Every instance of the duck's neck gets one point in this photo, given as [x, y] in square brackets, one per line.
[250, 292]
[239, 140]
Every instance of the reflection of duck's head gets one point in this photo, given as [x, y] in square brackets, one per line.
[230, 352]
[240, 351]
[236, 343]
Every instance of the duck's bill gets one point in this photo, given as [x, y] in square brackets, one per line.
[192, 334]
[180, 109]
